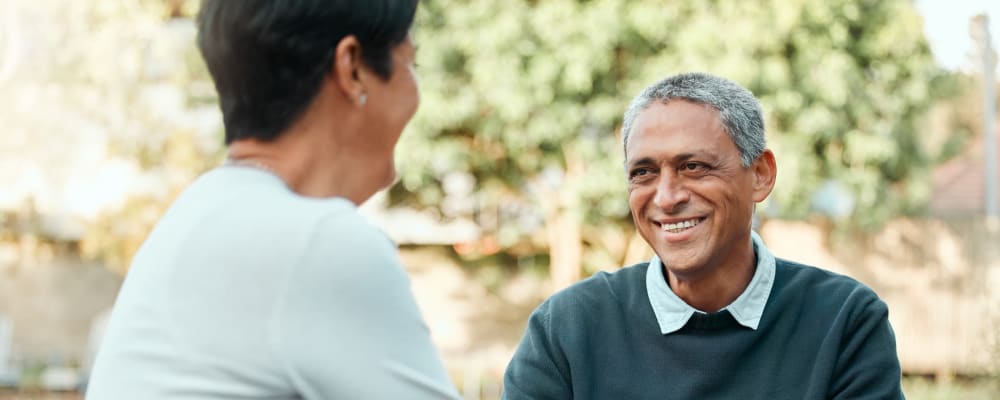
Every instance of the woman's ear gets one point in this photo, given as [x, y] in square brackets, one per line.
[346, 70]
[765, 170]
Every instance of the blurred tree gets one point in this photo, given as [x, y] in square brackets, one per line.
[174, 133]
[110, 113]
[522, 100]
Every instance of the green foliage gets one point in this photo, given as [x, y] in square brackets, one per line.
[527, 96]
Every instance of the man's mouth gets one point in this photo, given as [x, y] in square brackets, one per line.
[681, 226]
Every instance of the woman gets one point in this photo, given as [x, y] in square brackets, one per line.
[262, 280]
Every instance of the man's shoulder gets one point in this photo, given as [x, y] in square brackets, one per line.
[602, 288]
[816, 282]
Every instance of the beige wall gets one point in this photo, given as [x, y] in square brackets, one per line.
[52, 302]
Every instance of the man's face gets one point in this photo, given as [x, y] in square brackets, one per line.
[690, 196]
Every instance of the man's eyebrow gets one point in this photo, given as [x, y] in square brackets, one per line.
[683, 157]
[679, 158]
[640, 161]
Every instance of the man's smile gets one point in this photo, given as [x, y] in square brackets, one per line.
[679, 226]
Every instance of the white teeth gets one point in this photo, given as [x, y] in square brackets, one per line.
[680, 226]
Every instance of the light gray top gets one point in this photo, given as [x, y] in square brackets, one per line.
[672, 312]
[246, 290]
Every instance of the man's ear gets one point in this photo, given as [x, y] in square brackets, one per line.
[765, 170]
[346, 70]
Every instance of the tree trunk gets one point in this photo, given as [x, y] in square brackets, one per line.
[565, 226]
[565, 248]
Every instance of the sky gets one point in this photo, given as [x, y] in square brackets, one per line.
[946, 23]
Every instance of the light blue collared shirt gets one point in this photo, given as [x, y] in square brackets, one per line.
[672, 312]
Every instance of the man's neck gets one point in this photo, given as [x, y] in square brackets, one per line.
[716, 289]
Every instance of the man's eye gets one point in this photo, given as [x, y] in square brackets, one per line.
[692, 166]
[638, 173]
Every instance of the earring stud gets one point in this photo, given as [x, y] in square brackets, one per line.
[362, 99]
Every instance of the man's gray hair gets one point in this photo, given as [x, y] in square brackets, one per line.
[739, 110]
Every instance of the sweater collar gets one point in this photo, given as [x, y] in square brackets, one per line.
[672, 313]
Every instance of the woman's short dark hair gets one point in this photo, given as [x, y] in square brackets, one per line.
[268, 58]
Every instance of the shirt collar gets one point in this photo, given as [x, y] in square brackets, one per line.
[672, 312]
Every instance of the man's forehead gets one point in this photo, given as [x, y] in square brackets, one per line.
[663, 131]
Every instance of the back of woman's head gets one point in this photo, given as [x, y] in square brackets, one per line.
[268, 58]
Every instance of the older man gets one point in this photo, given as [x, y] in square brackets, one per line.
[714, 315]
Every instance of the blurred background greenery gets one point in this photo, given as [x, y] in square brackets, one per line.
[511, 179]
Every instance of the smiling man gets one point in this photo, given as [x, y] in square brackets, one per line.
[714, 315]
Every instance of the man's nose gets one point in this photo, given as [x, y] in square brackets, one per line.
[670, 193]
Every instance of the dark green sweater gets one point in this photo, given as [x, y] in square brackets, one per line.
[822, 336]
